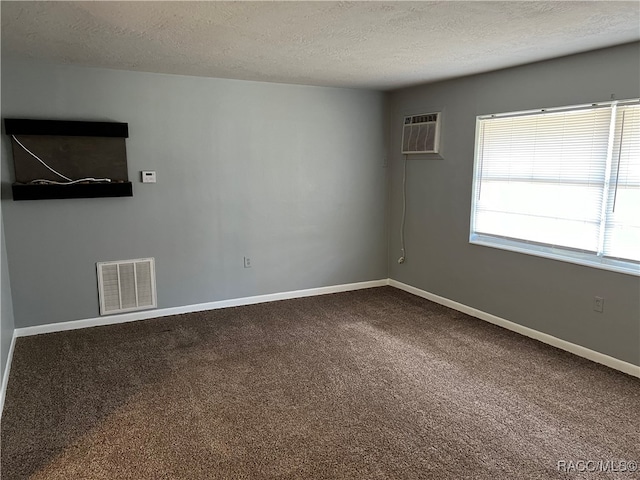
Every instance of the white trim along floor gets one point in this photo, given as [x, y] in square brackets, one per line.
[589, 354]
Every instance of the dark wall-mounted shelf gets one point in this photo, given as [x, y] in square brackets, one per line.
[68, 128]
[77, 190]
[46, 152]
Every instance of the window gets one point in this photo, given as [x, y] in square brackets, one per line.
[561, 183]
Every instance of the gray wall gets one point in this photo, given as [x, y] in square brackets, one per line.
[6, 305]
[291, 176]
[546, 295]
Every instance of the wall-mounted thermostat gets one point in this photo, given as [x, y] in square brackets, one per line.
[148, 177]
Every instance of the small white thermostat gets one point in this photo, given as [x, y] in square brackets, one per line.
[148, 177]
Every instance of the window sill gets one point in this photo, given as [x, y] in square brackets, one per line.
[556, 253]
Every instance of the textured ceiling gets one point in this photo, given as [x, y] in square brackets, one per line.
[381, 45]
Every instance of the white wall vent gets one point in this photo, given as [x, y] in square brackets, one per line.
[126, 285]
[421, 133]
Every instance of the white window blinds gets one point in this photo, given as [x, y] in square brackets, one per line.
[566, 179]
[622, 230]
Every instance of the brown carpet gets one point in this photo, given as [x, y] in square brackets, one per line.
[372, 384]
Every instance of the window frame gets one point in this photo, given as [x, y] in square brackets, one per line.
[564, 254]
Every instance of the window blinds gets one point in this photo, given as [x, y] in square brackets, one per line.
[540, 177]
[622, 230]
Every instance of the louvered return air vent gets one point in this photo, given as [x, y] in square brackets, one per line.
[421, 133]
[126, 285]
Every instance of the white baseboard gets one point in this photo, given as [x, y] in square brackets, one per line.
[131, 317]
[579, 350]
[5, 376]
[164, 312]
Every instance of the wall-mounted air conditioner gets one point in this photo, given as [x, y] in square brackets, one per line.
[421, 133]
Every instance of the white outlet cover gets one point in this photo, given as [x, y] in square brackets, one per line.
[598, 304]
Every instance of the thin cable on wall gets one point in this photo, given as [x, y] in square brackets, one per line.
[68, 180]
[42, 181]
[403, 257]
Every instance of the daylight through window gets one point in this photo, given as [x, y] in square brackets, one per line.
[562, 183]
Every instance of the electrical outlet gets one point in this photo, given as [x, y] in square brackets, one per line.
[247, 262]
[598, 304]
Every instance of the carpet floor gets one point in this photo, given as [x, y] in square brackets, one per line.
[371, 384]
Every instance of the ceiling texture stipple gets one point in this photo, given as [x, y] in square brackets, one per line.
[377, 45]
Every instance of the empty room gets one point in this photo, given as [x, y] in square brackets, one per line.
[320, 240]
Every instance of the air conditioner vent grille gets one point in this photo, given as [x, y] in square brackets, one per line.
[430, 117]
[126, 285]
[421, 133]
